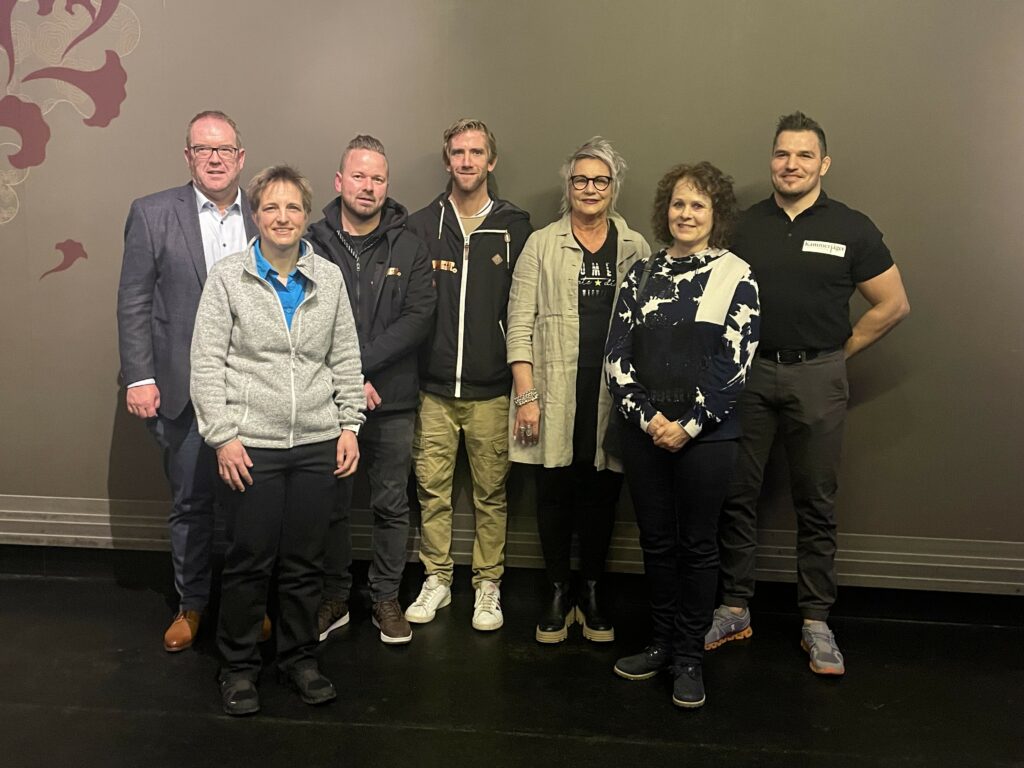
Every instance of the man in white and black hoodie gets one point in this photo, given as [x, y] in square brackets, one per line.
[474, 241]
[387, 273]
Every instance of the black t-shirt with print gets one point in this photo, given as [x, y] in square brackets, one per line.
[807, 269]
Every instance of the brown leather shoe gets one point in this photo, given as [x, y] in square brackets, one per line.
[182, 631]
[266, 629]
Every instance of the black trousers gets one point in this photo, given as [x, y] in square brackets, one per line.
[677, 497]
[581, 499]
[385, 456]
[281, 518]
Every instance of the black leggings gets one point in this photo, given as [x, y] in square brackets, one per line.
[678, 497]
[576, 498]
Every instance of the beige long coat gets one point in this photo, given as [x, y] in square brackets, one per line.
[544, 329]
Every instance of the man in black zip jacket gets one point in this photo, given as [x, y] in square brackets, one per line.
[387, 274]
[474, 241]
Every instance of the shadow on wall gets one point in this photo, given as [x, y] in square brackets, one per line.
[887, 371]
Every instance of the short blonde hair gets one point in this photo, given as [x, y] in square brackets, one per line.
[464, 124]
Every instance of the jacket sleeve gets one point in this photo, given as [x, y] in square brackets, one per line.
[628, 394]
[519, 231]
[720, 384]
[346, 367]
[210, 342]
[418, 224]
[135, 299]
[413, 324]
[522, 303]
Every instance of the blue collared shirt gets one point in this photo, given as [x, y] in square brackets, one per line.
[292, 294]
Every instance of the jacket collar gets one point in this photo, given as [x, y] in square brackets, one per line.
[306, 265]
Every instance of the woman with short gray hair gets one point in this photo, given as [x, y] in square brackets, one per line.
[563, 290]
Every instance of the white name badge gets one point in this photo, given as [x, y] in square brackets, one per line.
[829, 249]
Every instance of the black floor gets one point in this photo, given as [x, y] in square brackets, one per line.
[933, 679]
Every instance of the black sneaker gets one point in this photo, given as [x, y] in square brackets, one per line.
[239, 696]
[688, 689]
[313, 688]
[644, 665]
[331, 614]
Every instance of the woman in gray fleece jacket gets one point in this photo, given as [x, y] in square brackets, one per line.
[277, 388]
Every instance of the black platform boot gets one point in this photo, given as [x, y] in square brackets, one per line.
[597, 626]
[554, 623]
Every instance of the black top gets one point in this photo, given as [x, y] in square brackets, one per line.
[391, 296]
[807, 269]
[465, 355]
[596, 293]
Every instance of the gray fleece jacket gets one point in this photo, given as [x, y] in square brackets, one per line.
[271, 387]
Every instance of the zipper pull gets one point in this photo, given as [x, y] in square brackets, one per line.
[465, 249]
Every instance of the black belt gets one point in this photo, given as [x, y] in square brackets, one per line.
[793, 356]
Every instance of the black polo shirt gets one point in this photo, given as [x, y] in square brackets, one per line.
[807, 269]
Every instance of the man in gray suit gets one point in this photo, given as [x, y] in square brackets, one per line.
[171, 240]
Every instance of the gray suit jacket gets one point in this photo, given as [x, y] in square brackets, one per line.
[162, 278]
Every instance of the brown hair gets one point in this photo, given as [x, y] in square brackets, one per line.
[464, 124]
[273, 175]
[217, 115]
[798, 121]
[362, 141]
[709, 180]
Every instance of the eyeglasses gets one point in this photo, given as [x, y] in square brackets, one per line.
[601, 183]
[205, 153]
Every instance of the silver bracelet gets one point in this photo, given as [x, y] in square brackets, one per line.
[529, 396]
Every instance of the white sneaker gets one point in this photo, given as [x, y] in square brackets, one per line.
[487, 607]
[434, 594]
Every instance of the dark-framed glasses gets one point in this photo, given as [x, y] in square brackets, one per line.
[601, 183]
[204, 152]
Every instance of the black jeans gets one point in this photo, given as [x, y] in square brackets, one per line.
[806, 404]
[385, 456]
[677, 497]
[281, 518]
[579, 498]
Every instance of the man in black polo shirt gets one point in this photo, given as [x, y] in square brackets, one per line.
[809, 253]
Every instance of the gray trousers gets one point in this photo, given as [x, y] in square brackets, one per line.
[805, 404]
[385, 457]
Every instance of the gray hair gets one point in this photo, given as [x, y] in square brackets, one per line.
[597, 148]
[362, 141]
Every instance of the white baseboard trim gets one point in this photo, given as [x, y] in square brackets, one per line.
[904, 562]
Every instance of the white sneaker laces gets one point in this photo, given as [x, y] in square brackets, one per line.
[489, 601]
[427, 593]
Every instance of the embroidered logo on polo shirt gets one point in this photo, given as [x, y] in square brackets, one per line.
[821, 246]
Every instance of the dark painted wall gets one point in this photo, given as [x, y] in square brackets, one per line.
[923, 103]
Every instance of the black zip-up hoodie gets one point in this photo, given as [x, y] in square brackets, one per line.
[392, 296]
[465, 356]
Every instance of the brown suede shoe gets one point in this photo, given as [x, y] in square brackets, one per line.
[266, 629]
[182, 631]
